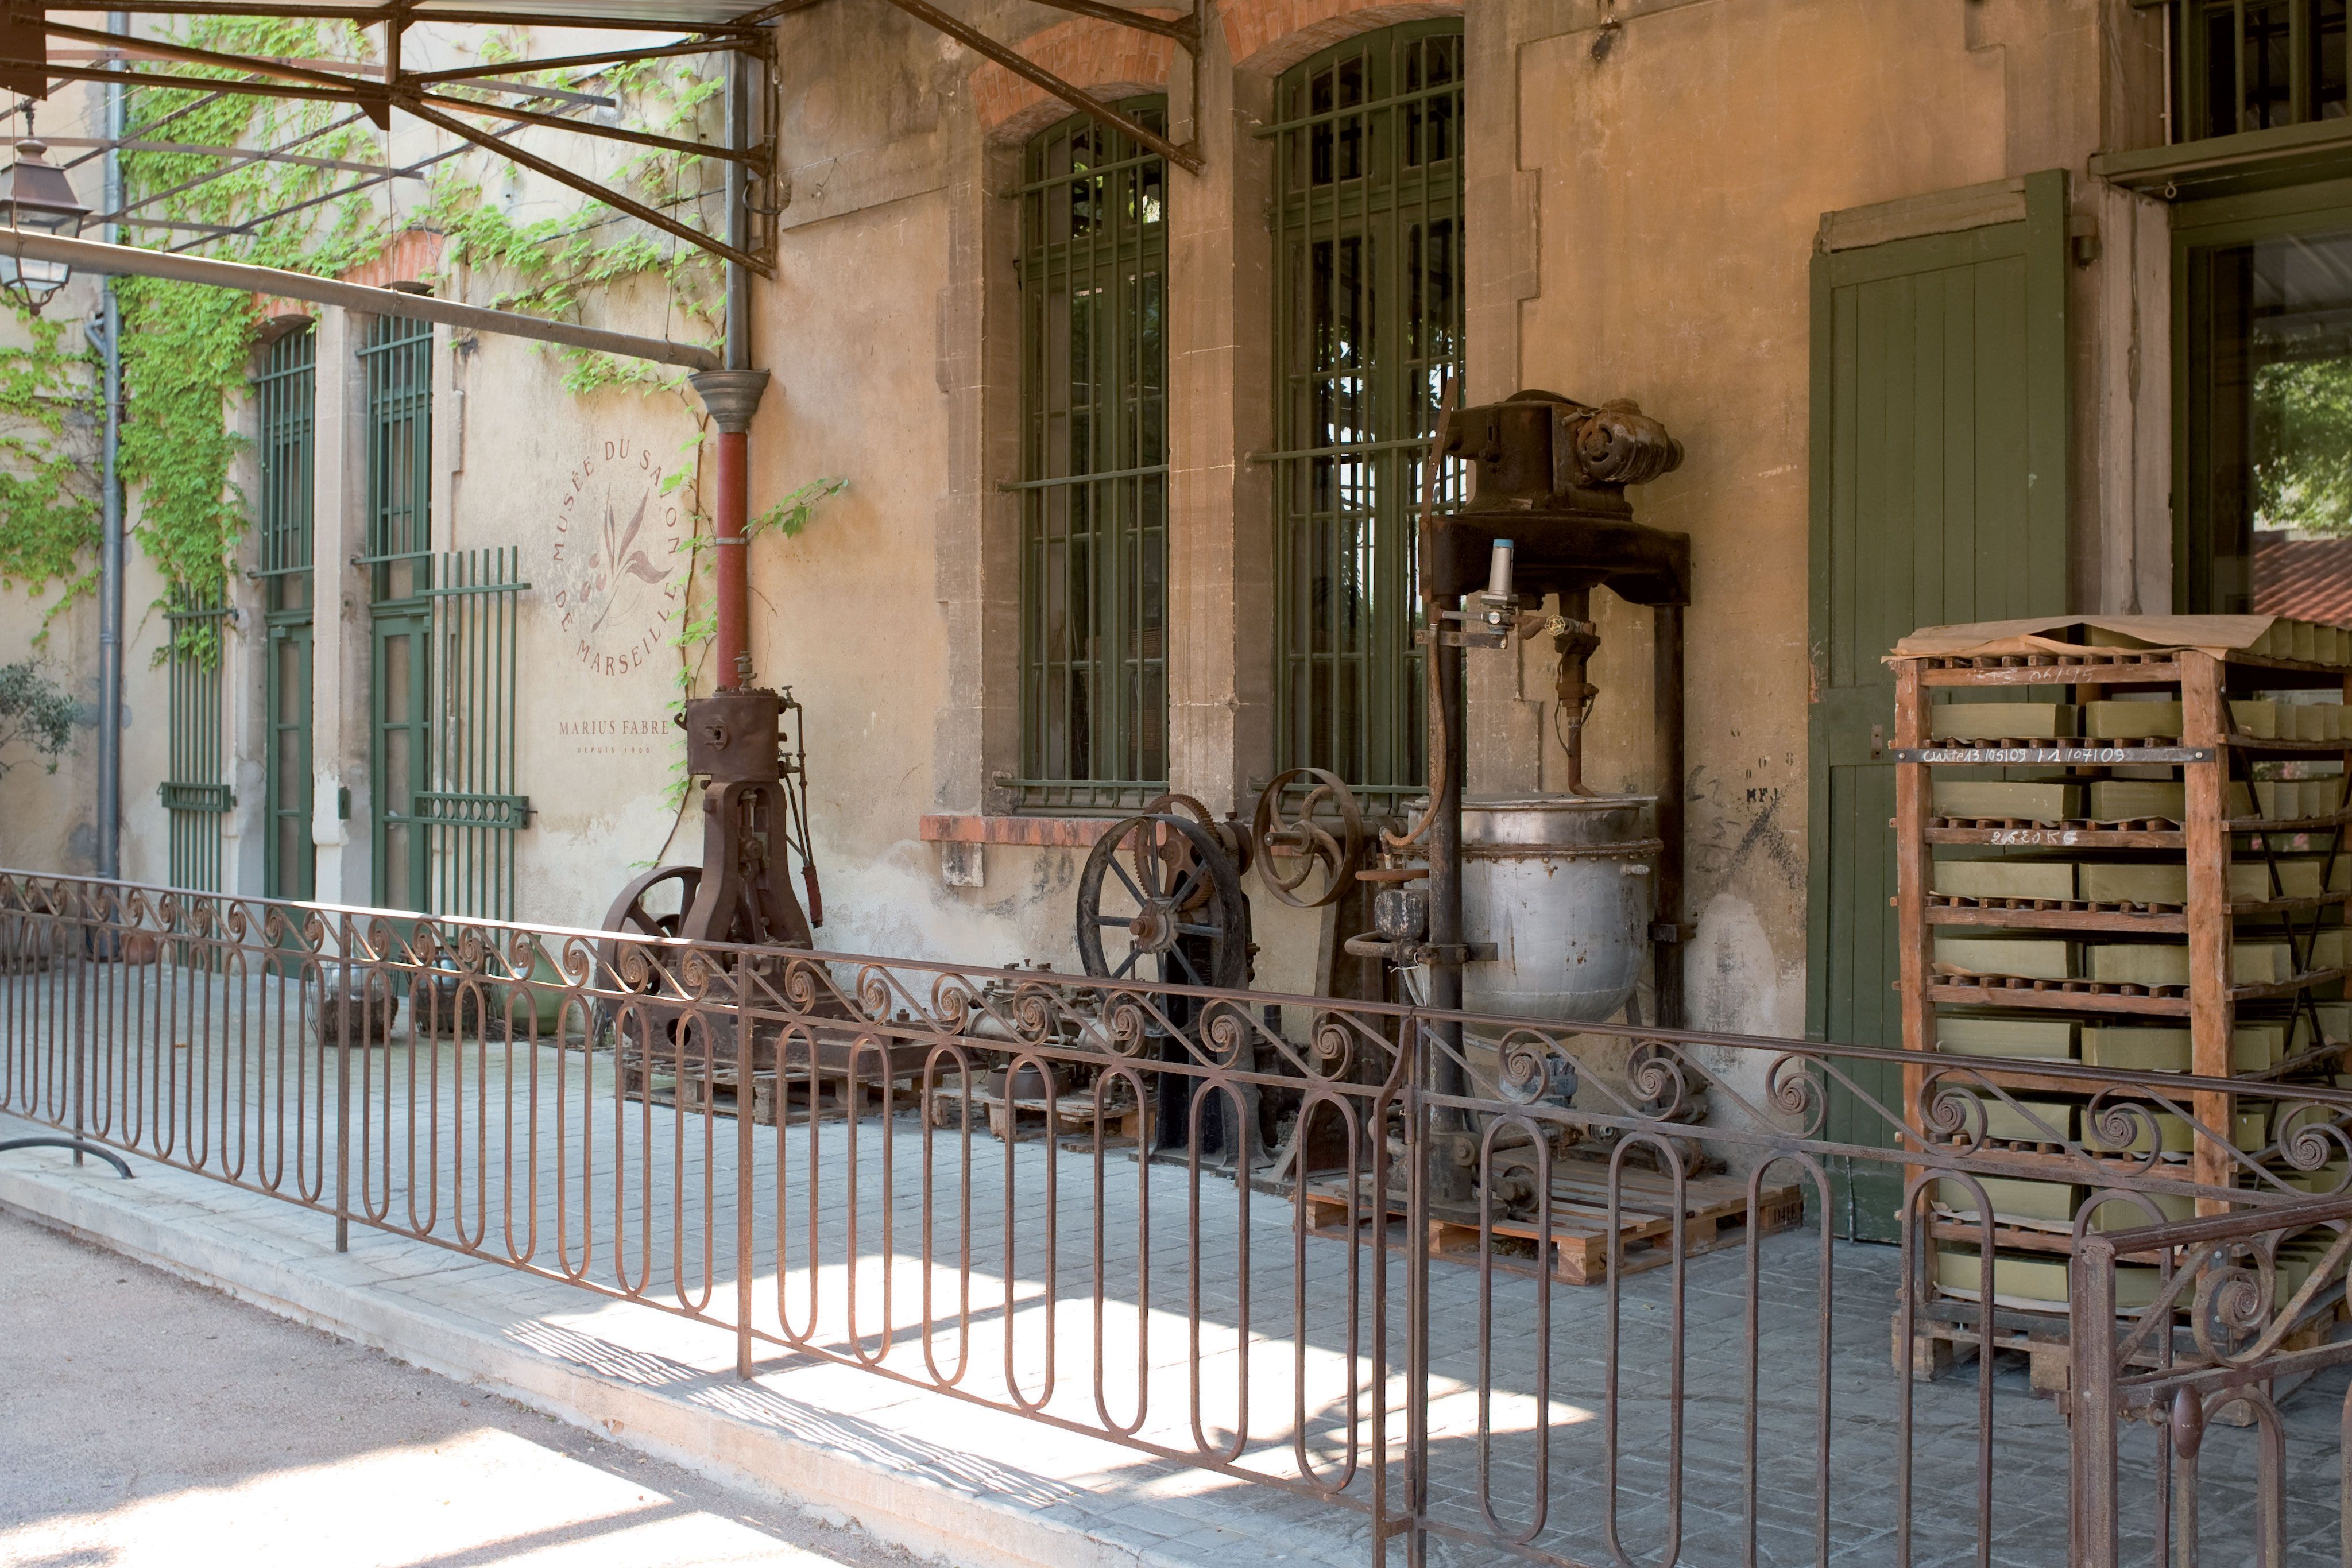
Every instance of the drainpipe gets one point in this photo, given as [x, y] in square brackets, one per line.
[731, 396]
[109, 341]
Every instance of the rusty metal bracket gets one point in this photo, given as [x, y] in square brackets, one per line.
[1186, 156]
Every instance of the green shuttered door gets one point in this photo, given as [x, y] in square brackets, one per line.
[1938, 495]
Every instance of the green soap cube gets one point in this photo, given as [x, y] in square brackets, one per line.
[2038, 1039]
[2011, 1198]
[2251, 880]
[2030, 1282]
[2335, 1020]
[2003, 721]
[2006, 799]
[2005, 878]
[2281, 800]
[2127, 1212]
[2252, 1133]
[2030, 957]
[2321, 797]
[2173, 1135]
[2311, 720]
[2135, 1048]
[2328, 950]
[2259, 719]
[2029, 1121]
[2121, 720]
[2257, 1047]
[2140, 963]
[2133, 882]
[2131, 800]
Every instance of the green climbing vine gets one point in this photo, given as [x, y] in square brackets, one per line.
[49, 498]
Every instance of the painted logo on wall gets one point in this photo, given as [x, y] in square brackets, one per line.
[619, 565]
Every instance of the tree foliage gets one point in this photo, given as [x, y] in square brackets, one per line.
[33, 713]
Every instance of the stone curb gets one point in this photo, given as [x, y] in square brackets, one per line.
[893, 1507]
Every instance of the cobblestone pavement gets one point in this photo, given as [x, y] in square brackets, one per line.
[1088, 1292]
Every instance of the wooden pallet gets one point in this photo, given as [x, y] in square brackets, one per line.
[1581, 1246]
[1940, 1346]
[835, 1097]
[1073, 1116]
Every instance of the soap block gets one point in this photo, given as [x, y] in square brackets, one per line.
[2130, 1213]
[2040, 1040]
[2030, 1120]
[2130, 1048]
[2335, 1020]
[2298, 876]
[2251, 1131]
[2033, 1283]
[2116, 720]
[2166, 963]
[2133, 882]
[2322, 797]
[2003, 721]
[2005, 878]
[2033, 959]
[2261, 963]
[2011, 1197]
[2281, 800]
[2329, 949]
[2006, 800]
[2257, 1047]
[2132, 799]
[2258, 718]
[2172, 1134]
[2310, 721]
[2303, 637]
[2332, 720]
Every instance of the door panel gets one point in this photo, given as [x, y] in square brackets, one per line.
[398, 753]
[290, 862]
[1939, 481]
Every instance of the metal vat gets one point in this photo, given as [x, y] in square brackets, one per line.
[1563, 886]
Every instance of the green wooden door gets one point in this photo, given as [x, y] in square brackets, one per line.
[399, 751]
[1938, 495]
[290, 862]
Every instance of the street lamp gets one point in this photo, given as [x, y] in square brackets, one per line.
[36, 197]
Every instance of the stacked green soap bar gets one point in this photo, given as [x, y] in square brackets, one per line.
[2011, 1197]
[2132, 799]
[2005, 878]
[2006, 799]
[2117, 719]
[2133, 882]
[2035, 1281]
[2029, 1121]
[2130, 1048]
[2299, 876]
[2003, 721]
[1974, 1034]
[2131, 1213]
[2030, 958]
[2259, 719]
[2166, 963]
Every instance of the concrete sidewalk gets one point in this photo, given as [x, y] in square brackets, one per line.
[147, 1423]
[928, 1474]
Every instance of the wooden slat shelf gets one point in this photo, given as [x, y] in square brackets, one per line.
[2208, 758]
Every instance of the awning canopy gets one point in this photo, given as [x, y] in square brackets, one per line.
[485, 104]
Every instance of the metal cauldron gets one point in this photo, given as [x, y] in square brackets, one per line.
[1563, 886]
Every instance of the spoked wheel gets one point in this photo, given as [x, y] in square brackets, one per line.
[1185, 910]
[1303, 863]
[655, 905]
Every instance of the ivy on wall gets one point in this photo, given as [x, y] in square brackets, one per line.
[48, 493]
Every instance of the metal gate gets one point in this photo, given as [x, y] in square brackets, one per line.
[194, 794]
[284, 395]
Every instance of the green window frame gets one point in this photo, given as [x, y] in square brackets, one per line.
[196, 796]
[1367, 212]
[2207, 489]
[397, 367]
[2254, 64]
[1094, 466]
[284, 392]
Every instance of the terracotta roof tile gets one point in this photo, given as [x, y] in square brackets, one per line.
[2310, 580]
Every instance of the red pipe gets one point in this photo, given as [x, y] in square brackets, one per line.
[733, 580]
[731, 396]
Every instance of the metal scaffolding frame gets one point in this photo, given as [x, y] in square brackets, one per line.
[453, 100]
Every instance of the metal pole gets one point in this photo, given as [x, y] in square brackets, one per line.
[109, 547]
[731, 395]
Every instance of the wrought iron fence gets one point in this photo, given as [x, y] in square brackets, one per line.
[1327, 1248]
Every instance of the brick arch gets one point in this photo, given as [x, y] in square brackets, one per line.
[1271, 35]
[1109, 61]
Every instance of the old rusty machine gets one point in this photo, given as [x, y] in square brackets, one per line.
[1547, 906]
[746, 746]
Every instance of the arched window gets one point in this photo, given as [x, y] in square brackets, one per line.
[1368, 230]
[1094, 466]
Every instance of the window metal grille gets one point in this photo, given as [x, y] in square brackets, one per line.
[397, 365]
[1368, 280]
[471, 812]
[284, 395]
[194, 795]
[2249, 65]
[1094, 466]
